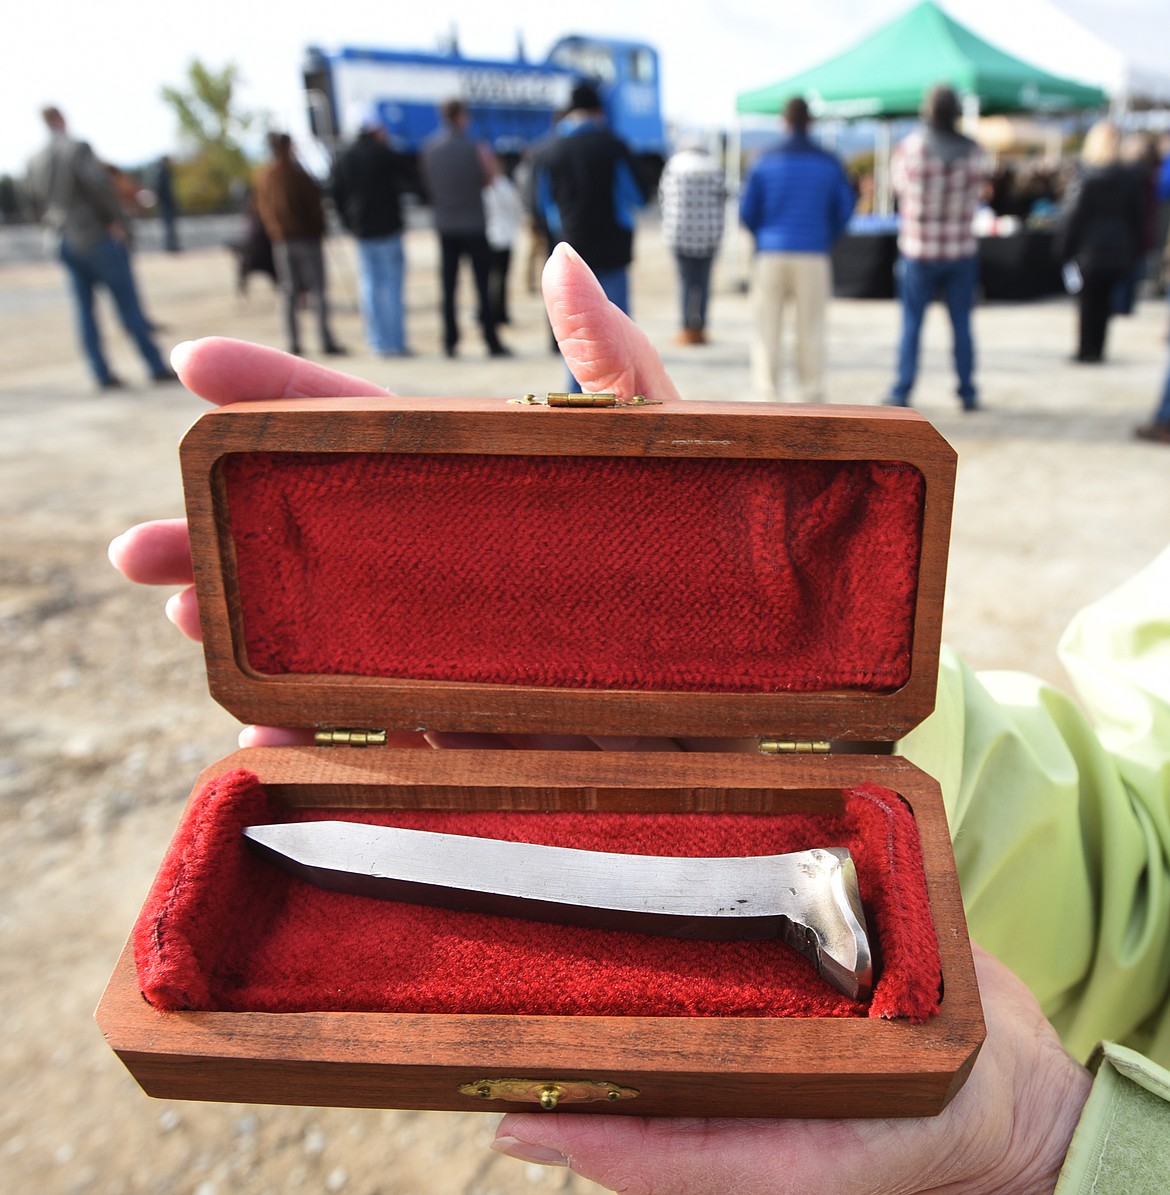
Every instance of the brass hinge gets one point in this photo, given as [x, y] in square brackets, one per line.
[794, 747]
[350, 738]
[584, 400]
[548, 1093]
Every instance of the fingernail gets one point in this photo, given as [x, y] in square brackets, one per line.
[115, 547]
[179, 354]
[526, 1151]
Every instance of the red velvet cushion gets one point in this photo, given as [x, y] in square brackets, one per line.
[579, 572]
[224, 930]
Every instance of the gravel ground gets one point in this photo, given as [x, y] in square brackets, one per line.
[106, 719]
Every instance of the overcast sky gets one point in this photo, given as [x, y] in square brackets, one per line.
[105, 64]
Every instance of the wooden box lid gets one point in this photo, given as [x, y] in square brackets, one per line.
[686, 569]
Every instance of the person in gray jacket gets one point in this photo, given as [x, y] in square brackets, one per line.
[455, 170]
[73, 196]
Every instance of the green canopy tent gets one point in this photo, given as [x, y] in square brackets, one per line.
[888, 73]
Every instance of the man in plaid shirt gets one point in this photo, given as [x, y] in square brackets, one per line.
[937, 176]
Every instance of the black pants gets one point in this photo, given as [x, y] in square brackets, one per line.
[1096, 306]
[498, 285]
[473, 246]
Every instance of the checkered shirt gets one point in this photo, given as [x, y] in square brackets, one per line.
[692, 196]
[936, 200]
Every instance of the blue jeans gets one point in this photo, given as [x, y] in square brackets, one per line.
[1162, 414]
[382, 266]
[108, 264]
[616, 284]
[918, 283]
[694, 275]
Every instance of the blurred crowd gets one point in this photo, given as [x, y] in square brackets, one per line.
[1109, 209]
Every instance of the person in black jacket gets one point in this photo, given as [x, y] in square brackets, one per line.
[1101, 230]
[368, 181]
[588, 193]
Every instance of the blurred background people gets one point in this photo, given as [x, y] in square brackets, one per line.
[288, 202]
[167, 202]
[1139, 151]
[692, 196]
[504, 217]
[369, 179]
[1158, 429]
[74, 195]
[455, 170]
[1101, 233]
[938, 177]
[588, 193]
[797, 201]
[253, 249]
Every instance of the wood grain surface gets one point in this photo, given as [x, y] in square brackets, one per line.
[679, 1065]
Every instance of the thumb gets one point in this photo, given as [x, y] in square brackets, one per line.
[601, 345]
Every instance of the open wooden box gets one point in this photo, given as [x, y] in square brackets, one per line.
[697, 570]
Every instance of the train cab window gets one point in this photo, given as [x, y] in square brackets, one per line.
[641, 66]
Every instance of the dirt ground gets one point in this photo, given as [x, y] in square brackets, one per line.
[106, 719]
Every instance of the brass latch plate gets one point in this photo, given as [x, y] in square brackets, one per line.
[590, 401]
[549, 1094]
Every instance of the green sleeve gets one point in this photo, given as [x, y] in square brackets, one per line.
[1122, 1143]
[1060, 818]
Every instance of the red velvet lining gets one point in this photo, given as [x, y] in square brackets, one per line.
[579, 572]
[224, 930]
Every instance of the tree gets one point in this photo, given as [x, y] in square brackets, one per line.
[213, 168]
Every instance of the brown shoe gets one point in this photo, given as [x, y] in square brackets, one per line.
[689, 336]
[1158, 432]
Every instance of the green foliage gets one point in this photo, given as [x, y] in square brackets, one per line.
[213, 168]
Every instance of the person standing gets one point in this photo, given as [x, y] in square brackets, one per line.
[588, 193]
[74, 196]
[692, 196]
[455, 170]
[1101, 232]
[368, 181]
[288, 202]
[503, 209]
[796, 203]
[1158, 429]
[938, 176]
[168, 205]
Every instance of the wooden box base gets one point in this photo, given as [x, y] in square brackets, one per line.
[656, 1066]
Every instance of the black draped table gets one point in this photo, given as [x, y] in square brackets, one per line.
[1016, 267]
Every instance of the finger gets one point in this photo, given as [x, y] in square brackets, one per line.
[601, 345]
[183, 610]
[739, 746]
[292, 736]
[631, 742]
[157, 553]
[222, 370]
[451, 741]
[689, 1156]
[275, 736]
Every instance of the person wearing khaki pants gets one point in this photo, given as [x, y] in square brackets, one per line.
[796, 202]
[805, 280]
